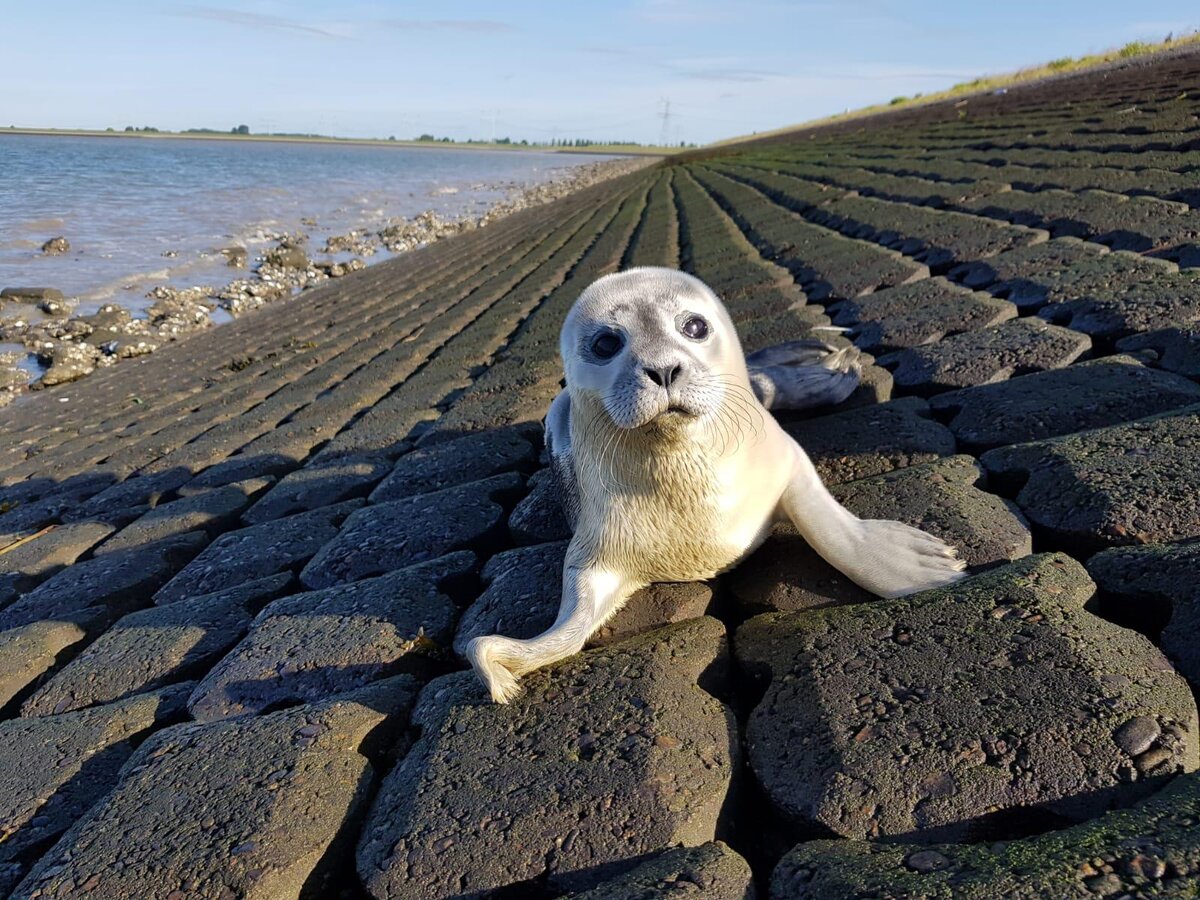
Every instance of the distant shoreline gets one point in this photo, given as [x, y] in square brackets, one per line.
[597, 149]
[43, 344]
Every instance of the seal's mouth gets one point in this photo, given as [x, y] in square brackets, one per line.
[646, 411]
[673, 416]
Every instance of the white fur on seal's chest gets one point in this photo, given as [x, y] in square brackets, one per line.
[663, 506]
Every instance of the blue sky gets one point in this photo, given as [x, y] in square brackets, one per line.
[525, 69]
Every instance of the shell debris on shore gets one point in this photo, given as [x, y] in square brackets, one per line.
[281, 271]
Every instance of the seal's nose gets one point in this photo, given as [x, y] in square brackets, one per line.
[664, 375]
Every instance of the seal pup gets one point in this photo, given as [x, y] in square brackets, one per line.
[672, 469]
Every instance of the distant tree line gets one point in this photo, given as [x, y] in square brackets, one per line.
[150, 129]
[423, 138]
[430, 139]
[556, 142]
[588, 142]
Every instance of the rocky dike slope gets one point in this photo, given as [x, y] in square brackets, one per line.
[234, 574]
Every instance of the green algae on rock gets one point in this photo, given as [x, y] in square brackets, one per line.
[1150, 850]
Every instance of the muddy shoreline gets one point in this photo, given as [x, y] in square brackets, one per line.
[49, 342]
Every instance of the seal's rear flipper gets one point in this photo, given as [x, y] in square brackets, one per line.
[803, 374]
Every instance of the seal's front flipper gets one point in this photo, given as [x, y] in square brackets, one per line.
[590, 596]
[889, 559]
[803, 374]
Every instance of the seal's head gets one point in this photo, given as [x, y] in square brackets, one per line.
[652, 345]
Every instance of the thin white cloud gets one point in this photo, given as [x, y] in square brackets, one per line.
[683, 12]
[719, 74]
[253, 20]
[718, 68]
[609, 51]
[699, 69]
[739, 70]
[477, 26]
[712, 12]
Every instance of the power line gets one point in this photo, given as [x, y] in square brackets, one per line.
[665, 115]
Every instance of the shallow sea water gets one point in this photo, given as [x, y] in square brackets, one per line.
[144, 212]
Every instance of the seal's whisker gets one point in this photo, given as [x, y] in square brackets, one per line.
[719, 426]
[747, 401]
[716, 421]
[715, 434]
[608, 458]
[738, 434]
[741, 406]
[733, 414]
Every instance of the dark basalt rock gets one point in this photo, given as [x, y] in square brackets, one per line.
[985, 355]
[1039, 278]
[313, 487]
[606, 757]
[1144, 585]
[52, 769]
[156, 646]
[710, 870]
[29, 651]
[42, 554]
[311, 646]
[1090, 394]
[1022, 275]
[449, 463]
[210, 511]
[870, 440]
[243, 808]
[260, 550]
[1132, 483]
[919, 313]
[1174, 349]
[933, 716]
[539, 517]
[120, 582]
[1166, 301]
[383, 537]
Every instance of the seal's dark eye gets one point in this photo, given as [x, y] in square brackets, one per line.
[606, 345]
[695, 328]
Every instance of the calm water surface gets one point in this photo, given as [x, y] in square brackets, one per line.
[143, 212]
